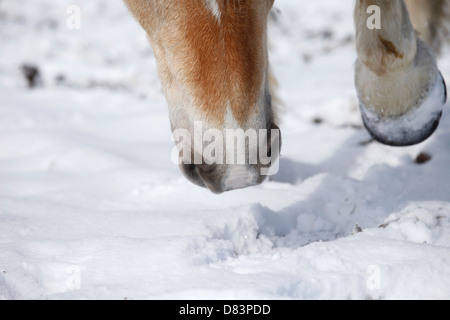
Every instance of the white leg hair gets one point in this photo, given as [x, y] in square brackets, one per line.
[430, 20]
[399, 86]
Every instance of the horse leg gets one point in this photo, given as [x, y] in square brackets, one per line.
[400, 89]
[428, 18]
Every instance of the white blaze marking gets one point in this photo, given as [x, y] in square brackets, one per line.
[239, 176]
[213, 6]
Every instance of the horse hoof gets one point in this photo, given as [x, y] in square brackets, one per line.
[413, 127]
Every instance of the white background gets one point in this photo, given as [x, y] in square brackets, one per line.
[91, 205]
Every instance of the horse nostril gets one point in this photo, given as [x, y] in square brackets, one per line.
[211, 175]
[190, 171]
[203, 175]
[206, 168]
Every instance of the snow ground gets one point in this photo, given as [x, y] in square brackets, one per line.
[91, 206]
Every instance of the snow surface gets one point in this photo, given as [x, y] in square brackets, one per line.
[91, 207]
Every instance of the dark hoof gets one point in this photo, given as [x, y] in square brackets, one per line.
[413, 127]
